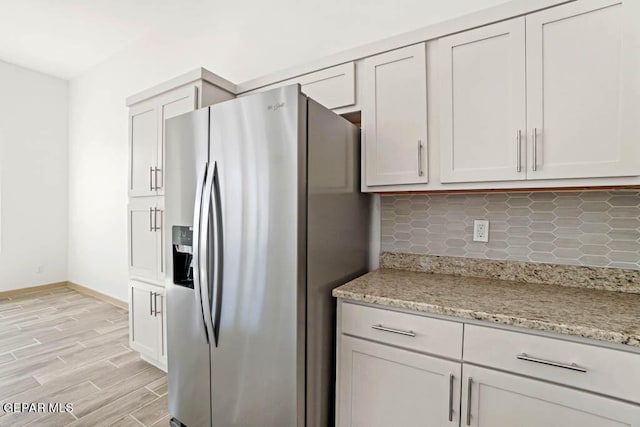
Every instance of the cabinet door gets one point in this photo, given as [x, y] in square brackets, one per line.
[333, 87]
[172, 104]
[145, 239]
[143, 325]
[394, 117]
[506, 400]
[143, 148]
[381, 386]
[576, 88]
[483, 93]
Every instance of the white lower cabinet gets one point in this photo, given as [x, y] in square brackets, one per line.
[147, 324]
[499, 399]
[399, 375]
[384, 386]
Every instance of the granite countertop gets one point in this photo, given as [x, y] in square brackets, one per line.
[591, 313]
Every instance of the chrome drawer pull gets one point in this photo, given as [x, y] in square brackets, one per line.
[571, 367]
[470, 384]
[394, 331]
[451, 379]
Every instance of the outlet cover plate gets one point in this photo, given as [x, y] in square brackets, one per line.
[481, 230]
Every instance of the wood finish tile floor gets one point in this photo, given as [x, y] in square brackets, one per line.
[63, 346]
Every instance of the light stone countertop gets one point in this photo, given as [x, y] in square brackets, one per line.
[590, 313]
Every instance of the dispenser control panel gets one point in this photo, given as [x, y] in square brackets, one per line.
[182, 243]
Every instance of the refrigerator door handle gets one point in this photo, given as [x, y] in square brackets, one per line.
[218, 255]
[197, 228]
[205, 255]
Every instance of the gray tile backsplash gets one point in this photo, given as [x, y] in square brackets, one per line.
[592, 228]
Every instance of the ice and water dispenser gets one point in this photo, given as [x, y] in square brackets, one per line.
[182, 240]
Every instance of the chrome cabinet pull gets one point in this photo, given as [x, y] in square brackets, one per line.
[572, 367]
[150, 303]
[420, 171]
[534, 134]
[394, 331]
[155, 178]
[519, 151]
[451, 378]
[155, 304]
[470, 383]
[155, 219]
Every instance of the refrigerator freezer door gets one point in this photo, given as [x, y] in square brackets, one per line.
[257, 368]
[187, 145]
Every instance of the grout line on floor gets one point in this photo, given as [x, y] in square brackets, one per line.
[94, 384]
[137, 420]
[147, 387]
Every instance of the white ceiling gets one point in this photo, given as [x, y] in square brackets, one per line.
[66, 37]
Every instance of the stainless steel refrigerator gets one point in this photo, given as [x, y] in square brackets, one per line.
[264, 218]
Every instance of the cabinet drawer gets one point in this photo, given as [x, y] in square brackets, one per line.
[425, 334]
[606, 371]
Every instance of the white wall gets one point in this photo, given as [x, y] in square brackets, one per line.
[33, 178]
[238, 41]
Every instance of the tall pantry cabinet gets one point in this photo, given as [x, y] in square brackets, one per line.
[148, 111]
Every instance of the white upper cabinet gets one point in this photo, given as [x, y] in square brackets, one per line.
[143, 148]
[178, 102]
[394, 117]
[333, 87]
[576, 89]
[146, 138]
[483, 98]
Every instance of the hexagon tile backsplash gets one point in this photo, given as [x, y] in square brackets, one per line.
[591, 228]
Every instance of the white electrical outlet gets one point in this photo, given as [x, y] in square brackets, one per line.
[480, 230]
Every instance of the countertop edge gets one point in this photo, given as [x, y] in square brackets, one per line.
[495, 318]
